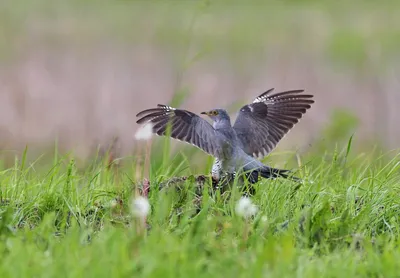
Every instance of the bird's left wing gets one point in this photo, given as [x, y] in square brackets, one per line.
[184, 126]
[263, 123]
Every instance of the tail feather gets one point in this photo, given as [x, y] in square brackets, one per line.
[269, 173]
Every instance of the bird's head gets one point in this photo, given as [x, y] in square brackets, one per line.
[217, 115]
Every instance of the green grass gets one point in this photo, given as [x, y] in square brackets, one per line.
[61, 221]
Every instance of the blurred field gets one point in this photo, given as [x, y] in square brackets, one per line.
[81, 70]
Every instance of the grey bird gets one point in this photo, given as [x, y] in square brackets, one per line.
[256, 131]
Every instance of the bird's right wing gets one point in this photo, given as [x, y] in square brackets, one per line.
[263, 123]
[184, 126]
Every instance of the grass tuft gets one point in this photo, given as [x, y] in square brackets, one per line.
[71, 222]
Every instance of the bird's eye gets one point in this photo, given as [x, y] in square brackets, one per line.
[214, 112]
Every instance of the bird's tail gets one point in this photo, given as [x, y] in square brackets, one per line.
[269, 173]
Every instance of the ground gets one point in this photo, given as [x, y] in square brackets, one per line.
[68, 221]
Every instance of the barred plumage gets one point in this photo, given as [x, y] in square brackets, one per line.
[216, 170]
[257, 130]
[262, 124]
[184, 126]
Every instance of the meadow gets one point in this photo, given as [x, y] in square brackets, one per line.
[67, 221]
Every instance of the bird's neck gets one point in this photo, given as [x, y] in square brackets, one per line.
[222, 124]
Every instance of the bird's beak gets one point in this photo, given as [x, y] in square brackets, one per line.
[204, 113]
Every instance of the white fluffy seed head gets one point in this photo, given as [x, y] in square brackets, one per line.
[246, 208]
[145, 132]
[113, 203]
[140, 207]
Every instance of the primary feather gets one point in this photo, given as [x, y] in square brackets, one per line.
[257, 130]
[262, 124]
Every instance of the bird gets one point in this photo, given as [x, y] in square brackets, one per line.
[258, 128]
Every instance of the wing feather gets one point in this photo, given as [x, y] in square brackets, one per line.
[184, 126]
[262, 124]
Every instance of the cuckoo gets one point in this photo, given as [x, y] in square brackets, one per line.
[258, 128]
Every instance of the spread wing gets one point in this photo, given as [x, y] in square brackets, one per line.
[182, 125]
[262, 124]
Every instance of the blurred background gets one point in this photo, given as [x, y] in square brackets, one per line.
[75, 73]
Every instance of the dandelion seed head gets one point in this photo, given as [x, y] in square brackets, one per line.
[145, 132]
[113, 203]
[140, 207]
[264, 219]
[246, 208]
